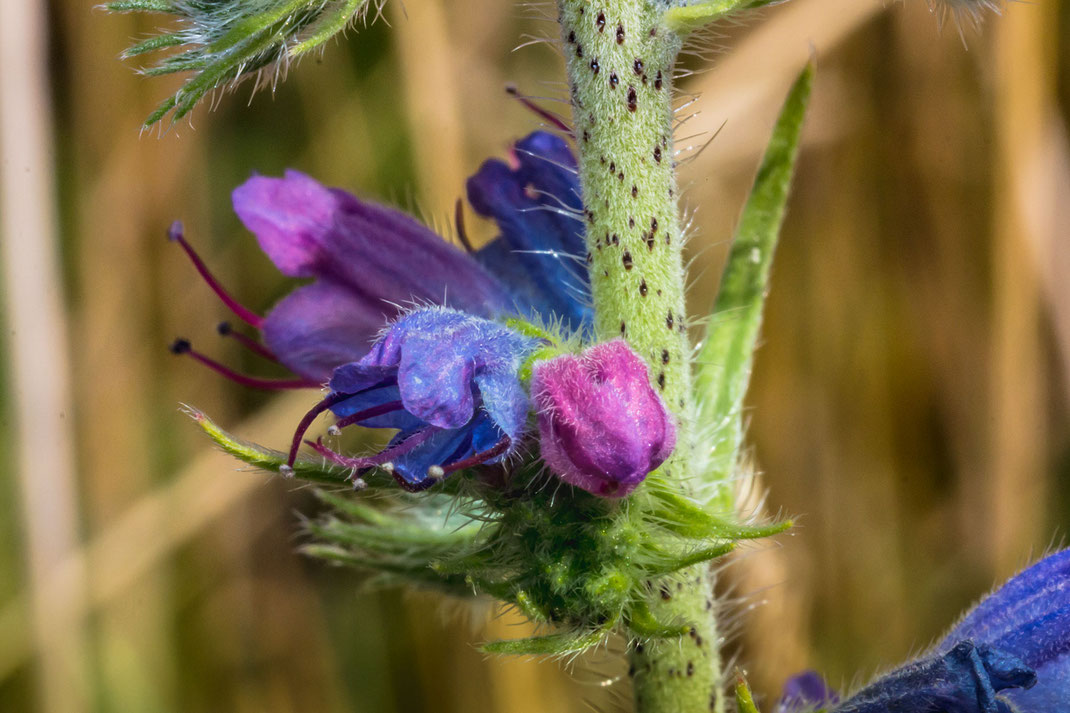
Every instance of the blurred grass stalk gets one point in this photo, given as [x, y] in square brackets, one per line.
[39, 368]
[1028, 241]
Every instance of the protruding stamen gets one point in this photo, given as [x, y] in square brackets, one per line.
[383, 459]
[183, 346]
[477, 459]
[334, 430]
[176, 234]
[458, 220]
[308, 418]
[550, 116]
[226, 330]
[436, 472]
[367, 413]
[286, 472]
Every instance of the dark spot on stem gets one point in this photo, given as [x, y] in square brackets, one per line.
[643, 289]
[627, 260]
[637, 65]
[620, 34]
[669, 320]
[657, 81]
[664, 359]
[657, 154]
[595, 66]
[635, 191]
[614, 80]
[661, 385]
[633, 99]
[601, 21]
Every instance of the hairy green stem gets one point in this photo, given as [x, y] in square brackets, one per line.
[620, 57]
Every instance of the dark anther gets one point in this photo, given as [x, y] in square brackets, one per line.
[180, 346]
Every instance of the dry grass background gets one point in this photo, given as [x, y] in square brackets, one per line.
[910, 401]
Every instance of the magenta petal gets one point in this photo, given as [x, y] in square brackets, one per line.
[291, 218]
[602, 427]
[319, 326]
[382, 255]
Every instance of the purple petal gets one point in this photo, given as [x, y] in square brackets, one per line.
[319, 326]
[382, 255]
[806, 691]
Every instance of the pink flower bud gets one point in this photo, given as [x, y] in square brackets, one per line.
[602, 426]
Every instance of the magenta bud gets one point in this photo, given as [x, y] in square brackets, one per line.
[602, 426]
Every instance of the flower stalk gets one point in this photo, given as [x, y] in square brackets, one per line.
[620, 56]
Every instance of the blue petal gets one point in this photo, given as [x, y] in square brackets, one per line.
[377, 396]
[442, 447]
[1029, 617]
[537, 205]
[965, 679]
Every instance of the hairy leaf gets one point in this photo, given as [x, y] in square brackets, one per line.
[726, 357]
[226, 41]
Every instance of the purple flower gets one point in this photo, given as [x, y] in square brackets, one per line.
[447, 381]
[805, 692]
[1010, 653]
[366, 260]
[602, 427]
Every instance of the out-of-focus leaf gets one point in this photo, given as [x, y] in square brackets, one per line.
[226, 41]
[686, 17]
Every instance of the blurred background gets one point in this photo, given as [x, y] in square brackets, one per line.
[909, 402]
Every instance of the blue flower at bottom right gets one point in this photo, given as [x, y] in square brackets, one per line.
[1009, 654]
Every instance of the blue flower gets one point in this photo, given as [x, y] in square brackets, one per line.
[1010, 654]
[447, 381]
[367, 262]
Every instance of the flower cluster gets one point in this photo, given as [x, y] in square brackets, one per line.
[449, 373]
[1010, 653]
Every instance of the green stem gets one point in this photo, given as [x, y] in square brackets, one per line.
[620, 56]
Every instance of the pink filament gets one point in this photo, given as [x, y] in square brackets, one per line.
[244, 313]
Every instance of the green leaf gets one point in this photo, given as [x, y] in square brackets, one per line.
[725, 359]
[642, 622]
[560, 644]
[687, 18]
[267, 459]
[744, 698]
[226, 41]
[679, 515]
